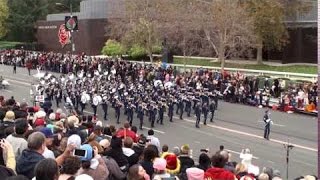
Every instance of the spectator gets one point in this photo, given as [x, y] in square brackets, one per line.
[195, 173]
[58, 150]
[218, 171]
[6, 128]
[7, 159]
[48, 141]
[131, 156]
[267, 170]
[39, 119]
[93, 164]
[105, 144]
[165, 148]
[263, 176]
[176, 151]
[276, 175]
[117, 154]
[241, 170]
[21, 111]
[159, 166]
[173, 163]
[228, 166]
[17, 139]
[153, 140]
[139, 147]
[204, 162]
[147, 162]
[123, 133]
[46, 169]
[84, 177]
[136, 172]
[115, 172]
[75, 140]
[246, 157]
[185, 160]
[32, 155]
[92, 140]
[69, 168]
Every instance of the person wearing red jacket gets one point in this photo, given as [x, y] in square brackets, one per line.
[126, 132]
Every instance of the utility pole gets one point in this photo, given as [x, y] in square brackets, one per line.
[288, 147]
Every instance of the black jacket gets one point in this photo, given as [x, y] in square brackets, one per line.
[186, 162]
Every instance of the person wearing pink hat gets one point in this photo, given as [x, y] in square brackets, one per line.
[159, 165]
[195, 173]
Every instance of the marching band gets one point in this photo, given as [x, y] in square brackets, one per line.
[135, 95]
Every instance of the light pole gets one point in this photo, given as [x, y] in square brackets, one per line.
[288, 147]
[71, 37]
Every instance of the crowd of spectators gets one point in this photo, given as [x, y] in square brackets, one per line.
[60, 146]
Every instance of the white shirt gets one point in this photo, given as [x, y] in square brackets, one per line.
[83, 99]
[154, 141]
[48, 154]
[95, 101]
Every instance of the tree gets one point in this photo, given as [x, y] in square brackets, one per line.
[112, 48]
[269, 27]
[4, 13]
[226, 26]
[137, 52]
[65, 8]
[142, 25]
[180, 27]
[22, 17]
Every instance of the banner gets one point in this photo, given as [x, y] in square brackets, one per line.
[64, 35]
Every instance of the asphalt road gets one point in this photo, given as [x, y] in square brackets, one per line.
[235, 126]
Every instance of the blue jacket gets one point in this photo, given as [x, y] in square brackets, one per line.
[27, 162]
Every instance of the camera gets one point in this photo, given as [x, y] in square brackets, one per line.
[80, 153]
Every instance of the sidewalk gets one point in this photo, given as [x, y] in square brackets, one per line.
[270, 63]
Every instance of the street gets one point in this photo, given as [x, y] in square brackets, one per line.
[235, 126]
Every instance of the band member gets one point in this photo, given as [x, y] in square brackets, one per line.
[197, 110]
[170, 110]
[14, 67]
[95, 103]
[58, 96]
[130, 113]
[161, 111]
[83, 101]
[212, 108]
[181, 108]
[104, 105]
[29, 66]
[215, 99]
[268, 122]
[188, 107]
[205, 110]
[117, 108]
[152, 114]
[140, 114]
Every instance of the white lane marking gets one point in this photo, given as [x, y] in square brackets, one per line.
[19, 82]
[7, 90]
[255, 136]
[235, 152]
[155, 130]
[88, 112]
[274, 124]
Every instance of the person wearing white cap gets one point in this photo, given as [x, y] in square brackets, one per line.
[83, 177]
